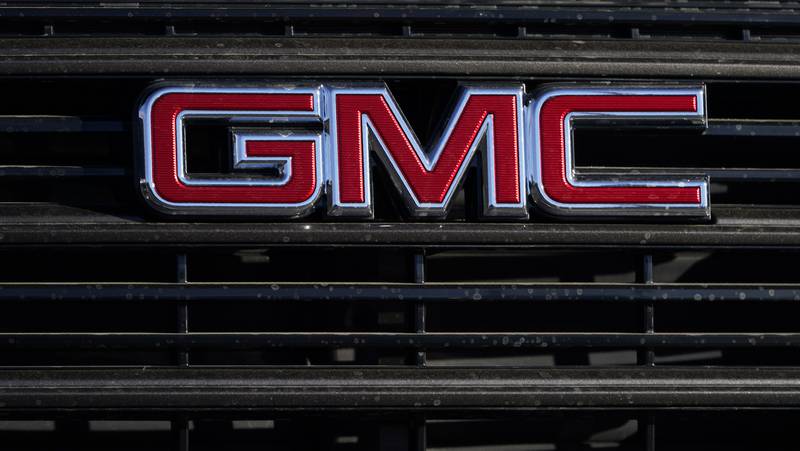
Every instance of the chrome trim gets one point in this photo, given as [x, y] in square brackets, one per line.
[428, 158]
[612, 179]
[235, 117]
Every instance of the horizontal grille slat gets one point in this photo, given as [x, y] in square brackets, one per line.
[70, 227]
[164, 389]
[248, 56]
[60, 124]
[408, 293]
[426, 341]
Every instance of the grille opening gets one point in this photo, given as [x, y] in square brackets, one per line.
[725, 431]
[544, 358]
[574, 30]
[108, 97]
[98, 316]
[732, 100]
[624, 430]
[552, 432]
[86, 358]
[754, 356]
[517, 266]
[342, 265]
[424, 105]
[775, 33]
[511, 316]
[108, 28]
[774, 266]
[690, 325]
[442, 30]
[87, 266]
[310, 316]
[302, 265]
[687, 32]
[15, 29]
[276, 307]
[128, 435]
[727, 317]
[690, 149]
[674, 431]
[416, 29]
[366, 433]
[101, 194]
[242, 28]
[304, 356]
[330, 433]
[346, 29]
[88, 316]
[763, 193]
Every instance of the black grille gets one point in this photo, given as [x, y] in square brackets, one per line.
[124, 329]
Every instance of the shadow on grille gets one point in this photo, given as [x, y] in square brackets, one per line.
[317, 306]
[769, 431]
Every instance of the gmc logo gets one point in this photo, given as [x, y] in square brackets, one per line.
[293, 147]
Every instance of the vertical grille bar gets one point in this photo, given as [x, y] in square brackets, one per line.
[183, 308]
[181, 427]
[419, 441]
[650, 433]
[648, 359]
[645, 276]
[419, 307]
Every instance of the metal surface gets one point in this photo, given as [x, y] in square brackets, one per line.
[408, 293]
[670, 336]
[394, 388]
[363, 56]
[67, 227]
[622, 181]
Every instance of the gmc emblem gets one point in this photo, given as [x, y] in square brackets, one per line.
[291, 147]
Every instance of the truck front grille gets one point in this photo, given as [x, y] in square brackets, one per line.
[123, 329]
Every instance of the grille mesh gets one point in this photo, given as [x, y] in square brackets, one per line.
[123, 329]
[453, 304]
